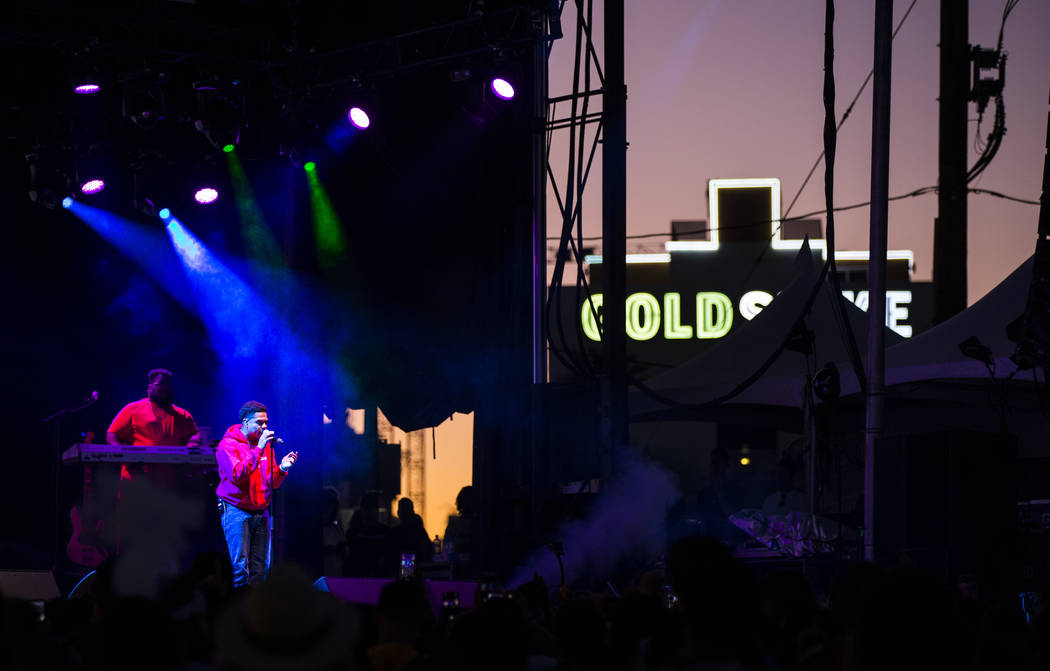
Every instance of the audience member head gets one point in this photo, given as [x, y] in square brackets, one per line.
[370, 507]
[285, 623]
[405, 509]
[717, 596]
[404, 612]
[492, 637]
[580, 629]
[466, 503]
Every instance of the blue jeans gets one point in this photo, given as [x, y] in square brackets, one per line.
[247, 538]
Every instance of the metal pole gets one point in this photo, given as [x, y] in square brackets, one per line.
[950, 227]
[614, 242]
[539, 204]
[880, 177]
[809, 426]
[539, 267]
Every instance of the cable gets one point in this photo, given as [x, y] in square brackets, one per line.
[849, 110]
[572, 211]
[751, 379]
[989, 192]
[995, 136]
[830, 143]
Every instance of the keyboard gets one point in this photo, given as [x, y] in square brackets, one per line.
[83, 453]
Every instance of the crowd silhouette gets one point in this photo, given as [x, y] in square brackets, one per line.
[701, 609]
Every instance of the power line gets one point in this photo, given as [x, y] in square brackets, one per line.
[845, 115]
[911, 194]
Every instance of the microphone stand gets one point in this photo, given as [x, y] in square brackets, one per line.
[269, 512]
[269, 507]
[56, 418]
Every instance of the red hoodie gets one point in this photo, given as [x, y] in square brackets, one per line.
[244, 471]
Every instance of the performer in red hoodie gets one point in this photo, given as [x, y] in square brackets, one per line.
[247, 476]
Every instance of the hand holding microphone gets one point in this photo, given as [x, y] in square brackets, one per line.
[266, 436]
[289, 459]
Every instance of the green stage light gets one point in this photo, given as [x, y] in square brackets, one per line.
[260, 242]
[309, 166]
[228, 148]
[328, 231]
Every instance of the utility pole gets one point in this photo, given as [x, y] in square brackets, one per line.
[880, 179]
[949, 229]
[614, 241]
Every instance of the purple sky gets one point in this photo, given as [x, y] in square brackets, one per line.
[720, 88]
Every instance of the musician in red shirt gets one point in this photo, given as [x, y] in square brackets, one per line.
[154, 420]
[247, 478]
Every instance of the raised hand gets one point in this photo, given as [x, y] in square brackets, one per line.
[289, 460]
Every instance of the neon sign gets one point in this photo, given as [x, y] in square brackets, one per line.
[645, 317]
[646, 314]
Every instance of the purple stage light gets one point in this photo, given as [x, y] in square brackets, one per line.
[92, 186]
[87, 89]
[502, 88]
[359, 118]
[206, 195]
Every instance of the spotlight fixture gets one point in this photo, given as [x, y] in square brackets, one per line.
[84, 75]
[502, 88]
[164, 214]
[47, 181]
[222, 135]
[309, 166]
[67, 202]
[145, 98]
[359, 118]
[92, 186]
[206, 196]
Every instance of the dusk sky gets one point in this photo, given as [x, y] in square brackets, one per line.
[726, 89]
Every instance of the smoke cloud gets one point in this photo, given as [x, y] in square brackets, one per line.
[628, 519]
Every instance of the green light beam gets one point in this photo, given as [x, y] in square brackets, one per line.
[328, 230]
